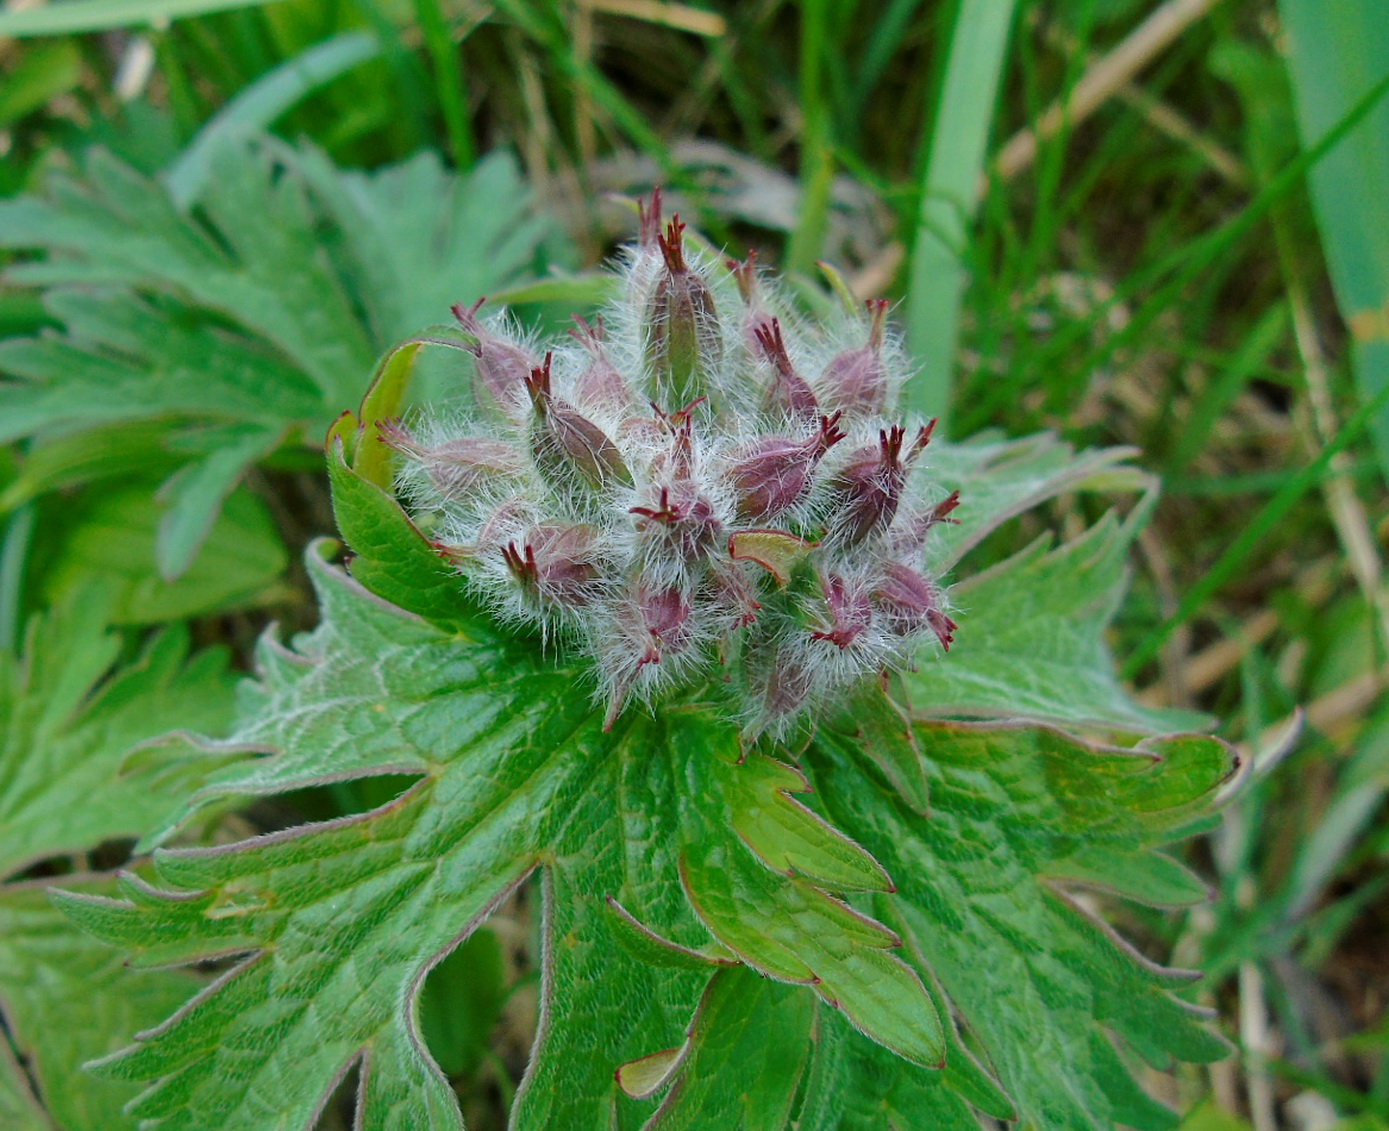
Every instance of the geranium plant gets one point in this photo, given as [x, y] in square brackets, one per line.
[672, 623]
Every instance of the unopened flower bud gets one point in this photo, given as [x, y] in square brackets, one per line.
[599, 382]
[649, 220]
[775, 472]
[683, 522]
[910, 603]
[727, 540]
[652, 625]
[855, 381]
[683, 338]
[847, 609]
[756, 316]
[454, 467]
[556, 563]
[502, 367]
[780, 679]
[564, 442]
[868, 488]
[788, 395]
[733, 596]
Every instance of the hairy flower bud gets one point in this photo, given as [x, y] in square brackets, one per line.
[502, 366]
[909, 602]
[564, 442]
[847, 610]
[868, 488]
[789, 395]
[855, 381]
[683, 339]
[774, 473]
[756, 317]
[599, 382]
[683, 525]
[720, 542]
[556, 563]
[454, 467]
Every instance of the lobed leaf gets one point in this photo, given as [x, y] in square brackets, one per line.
[68, 717]
[339, 922]
[1042, 987]
[1031, 643]
[66, 999]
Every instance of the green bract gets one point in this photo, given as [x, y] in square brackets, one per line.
[871, 929]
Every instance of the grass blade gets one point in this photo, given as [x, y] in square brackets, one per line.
[101, 15]
[448, 82]
[1239, 551]
[1337, 53]
[265, 100]
[949, 197]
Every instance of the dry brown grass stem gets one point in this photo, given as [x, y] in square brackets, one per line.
[1207, 667]
[1161, 116]
[1255, 1041]
[682, 17]
[1102, 81]
[1346, 510]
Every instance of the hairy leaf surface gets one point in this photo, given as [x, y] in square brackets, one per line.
[1031, 644]
[67, 999]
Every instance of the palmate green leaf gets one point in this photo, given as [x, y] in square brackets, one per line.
[743, 1057]
[257, 261]
[341, 920]
[68, 998]
[254, 311]
[1042, 987]
[67, 720]
[1031, 643]
[1000, 479]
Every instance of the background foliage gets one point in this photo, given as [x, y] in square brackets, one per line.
[1179, 241]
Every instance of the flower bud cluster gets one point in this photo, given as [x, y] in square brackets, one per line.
[698, 488]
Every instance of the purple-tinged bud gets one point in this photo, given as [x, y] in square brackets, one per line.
[678, 462]
[556, 563]
[789, 395]
[756, 316]
[869, 487]
[733, 596]
[652, 625]
[455, 467]
[600, 382]
[564, 442]
[909, 603]
[855, 381]
[502, 366]
[684, 521]
[849, 612]
[779, 677]
[682, 332]
[666, 617]
[908, 535]
[775, 472]
[649, 219]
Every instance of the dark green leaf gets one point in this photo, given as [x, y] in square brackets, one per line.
[68, 720]
[1040, 984]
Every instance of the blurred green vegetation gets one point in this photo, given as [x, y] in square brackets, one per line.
[1163, 225]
